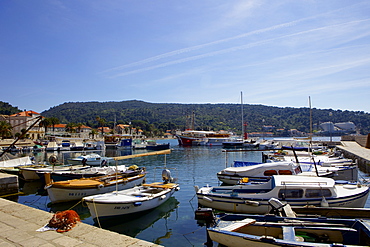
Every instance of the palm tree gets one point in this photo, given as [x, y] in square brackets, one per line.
[5, 129]
[54, 121]
[93, 133]
[45, 122]
[101, 122]
[70, 127]
[79, 126]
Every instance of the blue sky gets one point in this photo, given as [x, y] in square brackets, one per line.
[278, 53]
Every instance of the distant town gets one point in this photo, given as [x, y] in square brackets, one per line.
[38, 128]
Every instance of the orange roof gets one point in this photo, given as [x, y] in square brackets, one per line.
[58, 126]
[105, 129]
[122, 125]
[25, 114]
[64, 125]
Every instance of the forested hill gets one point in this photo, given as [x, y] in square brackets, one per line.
[170, 116]
[7, 109]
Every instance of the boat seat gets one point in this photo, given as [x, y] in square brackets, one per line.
[160, 185]
[236, 226]
[77, 183]
[341, 229]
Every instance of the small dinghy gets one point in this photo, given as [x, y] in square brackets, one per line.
[276, 230]
[130, 201]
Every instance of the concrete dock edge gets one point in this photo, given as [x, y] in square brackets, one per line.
[354, 151]
[18, 224]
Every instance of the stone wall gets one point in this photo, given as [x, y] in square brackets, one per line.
[8, 184]
[362, 140]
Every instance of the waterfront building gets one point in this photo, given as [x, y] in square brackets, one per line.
[23, 120]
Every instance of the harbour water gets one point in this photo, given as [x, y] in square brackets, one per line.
[173, 222]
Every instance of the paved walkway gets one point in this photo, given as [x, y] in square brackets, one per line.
[18, 225]
[356, 149]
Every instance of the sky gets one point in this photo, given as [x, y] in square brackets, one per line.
[274, 53]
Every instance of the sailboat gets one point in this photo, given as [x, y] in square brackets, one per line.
[240, 141]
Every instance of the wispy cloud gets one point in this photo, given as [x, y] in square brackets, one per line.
[206, 45]
[227, 50]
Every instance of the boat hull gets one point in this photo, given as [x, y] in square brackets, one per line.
[298, 191]
[29, 174]
[158, 147]
[36, 173]
[253, 205]
[105, 210]
[58, 195]
[279, 231]
[188, 141]
[201, 141]
[232, 240]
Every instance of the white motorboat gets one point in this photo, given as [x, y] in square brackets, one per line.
[296, 190]
[342, 169]
[52, 146]
[139, 144]
[65, 145]
[10, 164]
[232, 175]
[138, 199]
[92, 159]
[77, 145]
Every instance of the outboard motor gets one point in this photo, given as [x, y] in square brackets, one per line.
[276, 205]
[166, 176]
[84, 161]
[53, 159]
[104, 163]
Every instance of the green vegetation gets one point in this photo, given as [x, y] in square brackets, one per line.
[7, 109]
[156, 118]
[5, 129]
[159, 117]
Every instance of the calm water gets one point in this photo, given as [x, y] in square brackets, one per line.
[173, 222]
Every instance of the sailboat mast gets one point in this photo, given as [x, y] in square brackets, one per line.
[241, 102]
[309, 101]
[193, 120]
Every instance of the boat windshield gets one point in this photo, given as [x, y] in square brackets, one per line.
[290, 193]
[317, 193]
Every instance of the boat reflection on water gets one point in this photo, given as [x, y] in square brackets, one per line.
[132, 225]
[32, 187]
